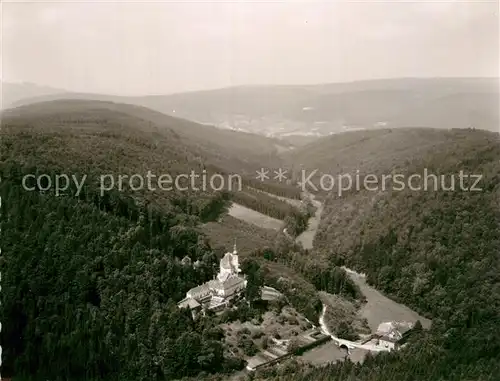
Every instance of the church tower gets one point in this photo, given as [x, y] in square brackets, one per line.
[235, 259]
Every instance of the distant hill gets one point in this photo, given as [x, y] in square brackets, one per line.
[101, 137]
[319, 110]
[370, 151]
[12, 93]
[243, 146]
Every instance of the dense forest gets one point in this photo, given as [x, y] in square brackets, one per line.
[436, 251]
[90, 281]
[102, 272]
[89, 286]
[109, 268]
[103, 138]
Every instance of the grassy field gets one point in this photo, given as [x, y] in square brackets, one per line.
[379, 308]
[253, 217]
[249, 237]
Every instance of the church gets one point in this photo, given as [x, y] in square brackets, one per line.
[216, 293]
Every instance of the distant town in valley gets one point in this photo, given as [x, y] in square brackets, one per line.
[250, 191]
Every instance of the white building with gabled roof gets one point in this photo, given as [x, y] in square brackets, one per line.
[218, 292]
[390, 333]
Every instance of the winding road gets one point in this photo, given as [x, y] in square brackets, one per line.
[349, 344]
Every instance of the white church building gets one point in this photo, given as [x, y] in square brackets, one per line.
[216, 293]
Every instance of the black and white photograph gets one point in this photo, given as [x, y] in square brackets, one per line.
[287, 190]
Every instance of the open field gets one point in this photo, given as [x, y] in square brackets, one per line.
[252, 217]
[249, 237]
[379, 308]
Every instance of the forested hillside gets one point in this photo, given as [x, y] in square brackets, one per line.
[89, 286]
[108, 265]
[436, 251]
[234, 150]
[322, 109]
[91, 278]
[104, 138]
[373, 152]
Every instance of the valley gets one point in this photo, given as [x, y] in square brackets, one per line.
[377, 308]
[301, 113]
[250, 190]
[345, 266]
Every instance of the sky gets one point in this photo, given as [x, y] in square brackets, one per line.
[138, 48]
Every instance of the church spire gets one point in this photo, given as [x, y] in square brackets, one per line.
[234, 247]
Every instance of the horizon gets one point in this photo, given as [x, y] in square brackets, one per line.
[170, 48]
[263, 85]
